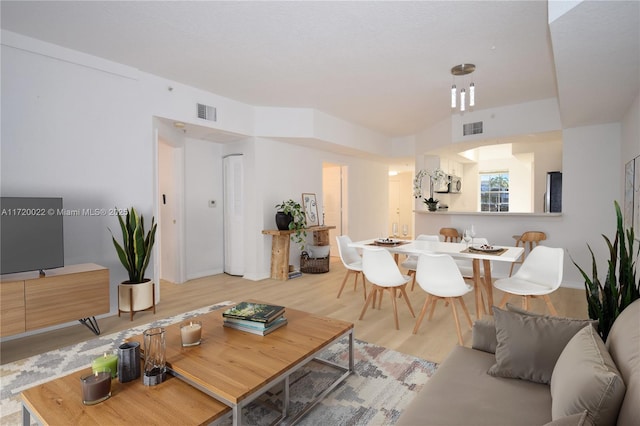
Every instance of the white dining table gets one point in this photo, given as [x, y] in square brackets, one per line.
[457, 250]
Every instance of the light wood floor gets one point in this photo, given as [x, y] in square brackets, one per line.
[312, 292]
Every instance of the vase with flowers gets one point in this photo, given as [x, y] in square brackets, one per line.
[436, 177]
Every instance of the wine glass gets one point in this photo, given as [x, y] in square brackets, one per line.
[466, 236]
[394, 228]
[405, 230]
[472, 232]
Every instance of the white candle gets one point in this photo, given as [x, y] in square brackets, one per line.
[191, 333]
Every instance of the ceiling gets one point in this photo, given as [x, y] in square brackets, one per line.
[382, 64]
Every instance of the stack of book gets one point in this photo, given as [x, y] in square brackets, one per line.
[256, 318]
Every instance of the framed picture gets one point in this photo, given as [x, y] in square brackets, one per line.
[310, 207]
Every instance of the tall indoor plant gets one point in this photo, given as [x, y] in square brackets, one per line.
[135, 294]
[296, 221]
[606, 300]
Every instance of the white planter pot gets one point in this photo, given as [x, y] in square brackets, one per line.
[141, 296]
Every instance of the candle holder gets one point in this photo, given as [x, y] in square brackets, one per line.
[191, 333]
[154, 356]
[128, 361]
[108, 360]
[96, 387]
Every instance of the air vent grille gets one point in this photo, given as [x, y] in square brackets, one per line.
[472, 128]
[206, 112]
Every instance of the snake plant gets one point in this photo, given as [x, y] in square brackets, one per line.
[135, 251]
[606, 301]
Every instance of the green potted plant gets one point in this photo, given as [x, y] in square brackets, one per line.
[606, 300]
[295, 220]
[432, 204]
[135, 294]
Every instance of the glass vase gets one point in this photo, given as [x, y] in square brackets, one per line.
[154, 356]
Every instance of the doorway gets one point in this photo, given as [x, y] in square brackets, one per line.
[334, 201]
[170, 255]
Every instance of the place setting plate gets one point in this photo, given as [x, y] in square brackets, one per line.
[486, 249]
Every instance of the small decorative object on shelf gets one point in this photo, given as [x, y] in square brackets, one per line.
[432, 204]
[292, 213]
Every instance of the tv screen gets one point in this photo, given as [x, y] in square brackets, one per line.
[31, 234]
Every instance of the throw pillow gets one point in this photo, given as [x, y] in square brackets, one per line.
[586, 378]
[529, 345]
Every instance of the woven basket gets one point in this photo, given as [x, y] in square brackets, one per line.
[310, 265]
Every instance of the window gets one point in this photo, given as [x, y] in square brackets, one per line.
[494, 192]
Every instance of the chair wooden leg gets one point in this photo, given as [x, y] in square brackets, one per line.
[372, 296]
[395, 307]
[466, 311]
[364, 285]
[422, 314]
[380, 299]
[344, 281]
[552, 309]
[455, 317]
[433, 307]
[525, 303]
[412, 273]
[504, 300]
[406, 299]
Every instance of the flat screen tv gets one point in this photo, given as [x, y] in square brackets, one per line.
[31, 234]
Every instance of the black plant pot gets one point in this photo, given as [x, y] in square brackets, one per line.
[283, 220]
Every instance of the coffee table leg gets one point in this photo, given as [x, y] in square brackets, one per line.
[26, 416]
[351, 364]
[285, 403]
[237, 415]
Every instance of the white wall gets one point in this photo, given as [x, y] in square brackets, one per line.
[81, 133]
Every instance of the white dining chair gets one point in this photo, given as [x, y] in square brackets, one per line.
[539, 276]
[439, 276]
[411, 262]
[351, 260]
[383, 274]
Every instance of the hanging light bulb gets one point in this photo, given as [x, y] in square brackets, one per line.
[463, 70]
[453, 96]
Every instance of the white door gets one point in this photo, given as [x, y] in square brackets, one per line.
[169, 211]
[233, 215]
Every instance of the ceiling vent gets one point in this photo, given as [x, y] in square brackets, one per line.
[472, 128]
[206, 112]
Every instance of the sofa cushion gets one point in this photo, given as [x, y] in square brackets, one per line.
[580, 419]
[529, 345]
[623, 343]
[586, 378]
[461, 393]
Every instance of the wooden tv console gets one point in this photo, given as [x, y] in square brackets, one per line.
[76, 292]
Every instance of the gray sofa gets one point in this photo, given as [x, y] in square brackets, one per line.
[519, 372]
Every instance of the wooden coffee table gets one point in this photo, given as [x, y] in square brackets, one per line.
[236, 367]
[59, 402]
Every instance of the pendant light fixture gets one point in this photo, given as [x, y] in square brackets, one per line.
[461, 70]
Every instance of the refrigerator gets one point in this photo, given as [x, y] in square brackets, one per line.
[553, 194]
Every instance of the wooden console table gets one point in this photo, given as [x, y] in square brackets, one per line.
[75, 292]
[280, 247]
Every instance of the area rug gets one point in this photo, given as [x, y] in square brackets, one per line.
[383, 384]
